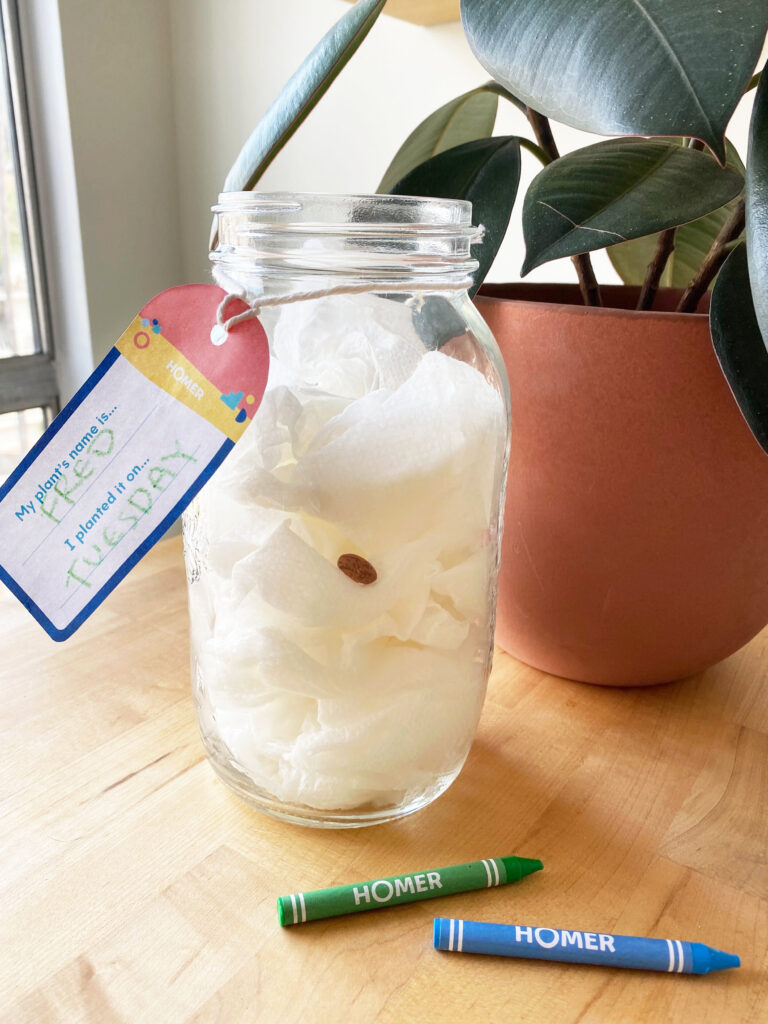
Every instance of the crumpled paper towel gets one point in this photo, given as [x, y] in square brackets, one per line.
[328, 693]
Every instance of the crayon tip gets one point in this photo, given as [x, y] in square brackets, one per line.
[519, 867]
[719, 961]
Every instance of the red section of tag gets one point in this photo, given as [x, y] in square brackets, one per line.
[238, 368]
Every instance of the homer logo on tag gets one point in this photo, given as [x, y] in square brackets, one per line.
[126, 456]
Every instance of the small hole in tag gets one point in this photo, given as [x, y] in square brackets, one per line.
[218, 334]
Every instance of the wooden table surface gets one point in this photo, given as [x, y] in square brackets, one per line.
[136, 888]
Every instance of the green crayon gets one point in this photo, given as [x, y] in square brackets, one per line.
[391, 892]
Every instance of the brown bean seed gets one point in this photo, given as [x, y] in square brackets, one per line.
[358, 569]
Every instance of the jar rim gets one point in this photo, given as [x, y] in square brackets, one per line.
[366, 237]
[326, 209]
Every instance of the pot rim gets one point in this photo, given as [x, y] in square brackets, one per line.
[567, 298]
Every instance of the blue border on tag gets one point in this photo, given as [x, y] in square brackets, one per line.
[63, 634]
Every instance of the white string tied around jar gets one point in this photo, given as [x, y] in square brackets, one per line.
[223, 326]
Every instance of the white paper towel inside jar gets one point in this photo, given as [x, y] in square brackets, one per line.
[326, 692]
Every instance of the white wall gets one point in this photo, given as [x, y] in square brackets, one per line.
[230, 59]
[119, 86]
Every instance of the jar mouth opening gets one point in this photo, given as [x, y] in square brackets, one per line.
[372, 237]
[329, 212]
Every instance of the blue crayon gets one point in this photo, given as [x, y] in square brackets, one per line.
[534, 943]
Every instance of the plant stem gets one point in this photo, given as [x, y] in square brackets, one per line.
[713, 260]
[664, 249]
[590, 290]
[537, 151]
[543, 133]
[493, 86]
[656, 267]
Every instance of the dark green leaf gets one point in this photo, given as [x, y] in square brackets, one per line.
[468, 117]
[487, 173]
[623, 67]
[437, 322]
[692, 243]
[300, 95]
[617, 190]
[739, 344]
[757, 205]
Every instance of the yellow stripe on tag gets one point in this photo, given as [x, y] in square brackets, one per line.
[160, 361]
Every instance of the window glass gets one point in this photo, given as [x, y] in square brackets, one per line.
[18, 432]
[16, 334]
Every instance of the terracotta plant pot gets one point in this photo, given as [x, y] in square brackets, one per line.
[636, 529]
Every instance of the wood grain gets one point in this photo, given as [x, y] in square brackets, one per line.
[134, 888]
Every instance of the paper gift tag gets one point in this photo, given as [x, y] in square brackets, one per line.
[125, 457]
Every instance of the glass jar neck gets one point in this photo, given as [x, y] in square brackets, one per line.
[288, 243]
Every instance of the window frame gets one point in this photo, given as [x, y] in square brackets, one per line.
[30, 381]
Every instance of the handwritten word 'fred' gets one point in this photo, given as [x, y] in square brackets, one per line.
[59, 487]
[130, 510]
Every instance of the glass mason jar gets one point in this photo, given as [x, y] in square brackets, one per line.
[342, 562]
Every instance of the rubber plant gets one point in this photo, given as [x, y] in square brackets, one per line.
[667, 194]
